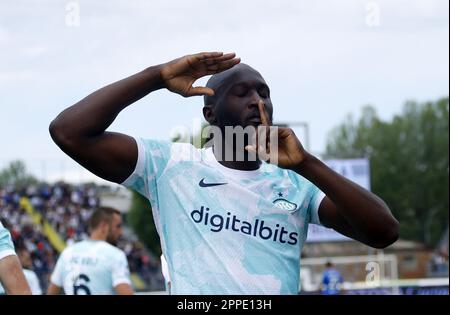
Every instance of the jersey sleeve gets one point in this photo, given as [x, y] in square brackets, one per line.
[153, 156]
[33, 281]
[120, 271]
[57, 275]
[311, 194]
[314, 205]
[6, 244]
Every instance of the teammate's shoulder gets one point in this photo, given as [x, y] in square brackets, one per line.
[81, 243]
[70, 248]
[114, 250]
[116, 254]
[65, 252]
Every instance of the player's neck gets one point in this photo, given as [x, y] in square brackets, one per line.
[227, 157]
[97, 236]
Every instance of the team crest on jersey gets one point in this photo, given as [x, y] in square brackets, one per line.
[284, 204]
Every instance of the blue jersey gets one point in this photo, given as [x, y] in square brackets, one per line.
[6, 244]
[91, 267]
[331, 281]
[225, 231]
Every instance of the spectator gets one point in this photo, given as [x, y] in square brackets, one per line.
[331, 280]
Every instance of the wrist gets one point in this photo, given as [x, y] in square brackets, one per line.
[305, 164]
[154, 77]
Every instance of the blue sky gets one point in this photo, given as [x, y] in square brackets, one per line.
[322, 59]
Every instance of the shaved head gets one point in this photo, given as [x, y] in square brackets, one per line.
[220, 82]
[237, 92]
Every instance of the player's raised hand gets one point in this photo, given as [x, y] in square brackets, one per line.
[287, 154]
[180, 74]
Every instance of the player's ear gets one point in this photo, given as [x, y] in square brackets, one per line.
[105, 226]
[209, 114]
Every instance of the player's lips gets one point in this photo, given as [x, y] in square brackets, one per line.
[255, 118]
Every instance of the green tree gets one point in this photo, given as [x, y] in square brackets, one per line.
[409, 163]
[16, 174]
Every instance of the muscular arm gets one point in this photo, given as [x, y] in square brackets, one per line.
[349, 208]
[12, 277]
[80, 130]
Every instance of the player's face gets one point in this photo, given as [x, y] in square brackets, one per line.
[239, 104]
[115, 229]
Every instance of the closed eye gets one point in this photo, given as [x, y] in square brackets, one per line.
[264, 92]
[240, 90]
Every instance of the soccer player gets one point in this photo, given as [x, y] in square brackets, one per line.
[227, 225]
[30, 275]
[11, 274]
[331, 280]
[95, 265]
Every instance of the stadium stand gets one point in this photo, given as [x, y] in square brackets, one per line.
[44, 219]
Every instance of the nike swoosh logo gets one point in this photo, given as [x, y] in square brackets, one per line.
[203, 184]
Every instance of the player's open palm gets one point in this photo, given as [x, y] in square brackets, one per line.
[180, 74]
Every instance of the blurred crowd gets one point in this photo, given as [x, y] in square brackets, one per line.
[67, 208]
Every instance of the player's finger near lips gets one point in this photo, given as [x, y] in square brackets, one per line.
[263, 113]
[252, 147]
[265, 125]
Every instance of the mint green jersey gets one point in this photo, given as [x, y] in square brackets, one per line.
[91, 267]
[225, 231]
[6, 244]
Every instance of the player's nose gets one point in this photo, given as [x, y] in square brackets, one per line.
[253, 100]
